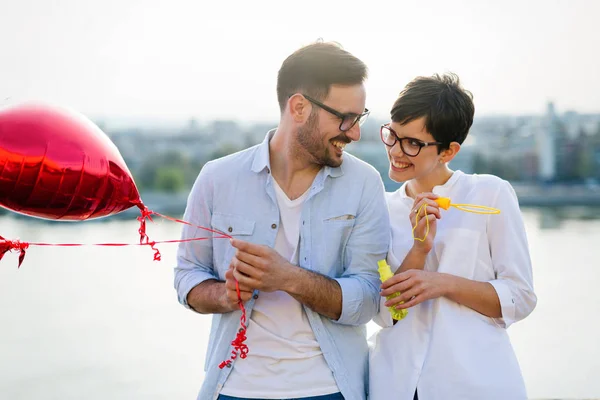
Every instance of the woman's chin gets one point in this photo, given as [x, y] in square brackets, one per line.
[401, 175]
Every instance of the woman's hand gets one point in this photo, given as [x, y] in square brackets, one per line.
[415, 287]
[425, 211]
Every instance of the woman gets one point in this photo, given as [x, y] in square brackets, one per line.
[465, 278]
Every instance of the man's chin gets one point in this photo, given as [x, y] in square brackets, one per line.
[334, 163]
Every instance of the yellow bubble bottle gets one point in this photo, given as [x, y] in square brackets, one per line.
[385, 273]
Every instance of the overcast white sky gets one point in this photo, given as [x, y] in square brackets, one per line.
[181, 58]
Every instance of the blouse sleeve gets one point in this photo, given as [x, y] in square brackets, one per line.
[510, 258]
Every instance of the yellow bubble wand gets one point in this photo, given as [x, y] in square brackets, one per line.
[445, 203]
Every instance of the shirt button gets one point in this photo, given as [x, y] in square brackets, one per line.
[255, 296]
[274, 226]
[230, 229]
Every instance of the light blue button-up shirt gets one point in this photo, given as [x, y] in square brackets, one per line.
[344, 231]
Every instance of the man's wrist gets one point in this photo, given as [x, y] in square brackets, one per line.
[292, 278]
[224, 302]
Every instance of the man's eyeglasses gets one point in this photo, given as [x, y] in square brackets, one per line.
[348, 119]
[410, 146]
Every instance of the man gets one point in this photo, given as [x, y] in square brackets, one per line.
[309, 224]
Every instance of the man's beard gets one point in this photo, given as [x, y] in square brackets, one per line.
[310, 140]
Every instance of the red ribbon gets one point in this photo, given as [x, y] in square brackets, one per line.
[239, 347]
[17, 245]
[10, 245]
[238, 343]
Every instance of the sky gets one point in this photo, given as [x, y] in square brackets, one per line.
[180, 59]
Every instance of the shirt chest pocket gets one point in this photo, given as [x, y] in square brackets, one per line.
[336, 232]
[457, 251]
[232, 225]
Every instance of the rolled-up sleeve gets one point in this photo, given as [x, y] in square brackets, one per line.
[510, 259]
[194, 258]
[367, 244]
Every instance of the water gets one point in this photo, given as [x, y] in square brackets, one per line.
[104, 322]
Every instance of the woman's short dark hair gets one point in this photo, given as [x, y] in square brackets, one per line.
[447, 107]
[312, 70]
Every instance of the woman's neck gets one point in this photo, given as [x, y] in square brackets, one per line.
[426, 184]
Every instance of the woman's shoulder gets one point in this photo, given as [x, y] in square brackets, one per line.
[489, 188]
[486, 182]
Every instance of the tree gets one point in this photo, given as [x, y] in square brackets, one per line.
[157, 169]
[169, 179]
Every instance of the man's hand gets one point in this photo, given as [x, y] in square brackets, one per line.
[415, 286]
[231, 296]
[260, 267]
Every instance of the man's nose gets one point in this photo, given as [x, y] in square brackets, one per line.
[354, 133]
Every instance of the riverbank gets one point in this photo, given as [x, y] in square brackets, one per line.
[534, 196]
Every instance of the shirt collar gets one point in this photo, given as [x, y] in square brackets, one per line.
[261, 157]
[440, 190]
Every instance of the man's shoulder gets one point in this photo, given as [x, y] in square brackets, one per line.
[234, 162]
[354, 165]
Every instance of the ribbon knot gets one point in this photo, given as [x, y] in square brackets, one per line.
[10, 245]
[144, 239]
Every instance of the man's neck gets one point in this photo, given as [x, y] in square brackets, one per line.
[293, 172]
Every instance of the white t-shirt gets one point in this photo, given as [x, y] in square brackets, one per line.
[284, 358]
[443, 349]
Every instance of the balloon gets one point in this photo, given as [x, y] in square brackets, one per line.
[57, 164]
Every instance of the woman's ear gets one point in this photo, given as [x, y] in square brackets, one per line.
[451, 152]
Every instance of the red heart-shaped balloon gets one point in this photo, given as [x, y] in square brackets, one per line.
[57, 164]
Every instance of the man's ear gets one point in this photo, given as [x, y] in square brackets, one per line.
[451, 152]
[299, 107]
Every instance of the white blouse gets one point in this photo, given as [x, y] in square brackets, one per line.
[442, 349]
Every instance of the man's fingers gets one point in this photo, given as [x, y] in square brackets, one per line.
[250, 259]
[245, 296]
[244, 280]
[248, 247]
[245, 269]
[230, 285]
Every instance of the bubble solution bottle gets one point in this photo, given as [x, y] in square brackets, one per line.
[385, 273]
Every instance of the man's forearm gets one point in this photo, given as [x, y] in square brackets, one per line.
[320, 293]
[208, 297]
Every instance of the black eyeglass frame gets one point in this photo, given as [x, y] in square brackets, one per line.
[420, 143]
[360, 118]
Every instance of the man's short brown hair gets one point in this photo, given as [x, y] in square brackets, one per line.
[312, 70]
